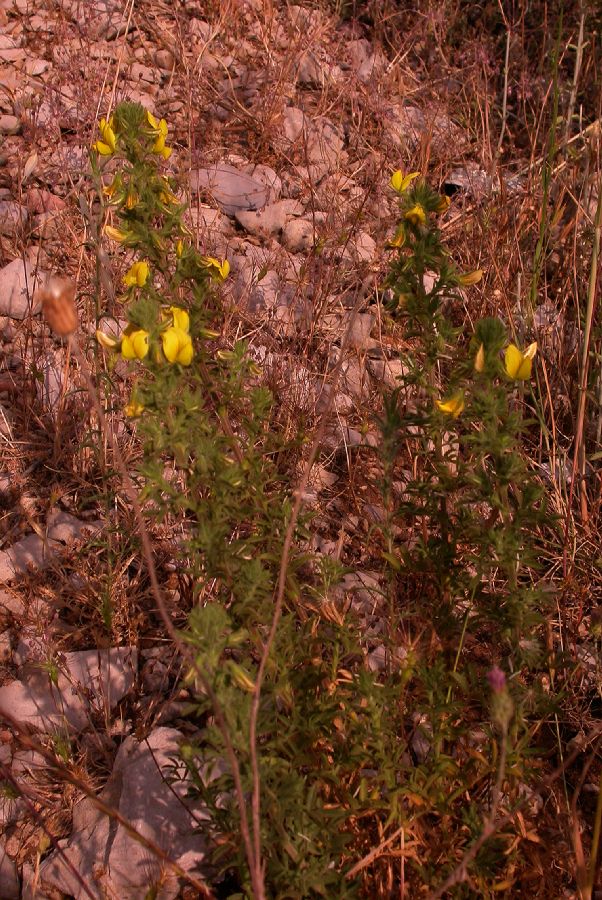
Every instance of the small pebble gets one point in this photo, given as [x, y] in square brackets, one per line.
[165, 59]
[9, 124]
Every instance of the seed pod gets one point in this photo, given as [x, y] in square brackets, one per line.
[58, 305]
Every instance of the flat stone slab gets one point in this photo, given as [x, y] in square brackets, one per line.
[18, 283]
[111, 862]
[88, 681]
[234, 190]
[35, 552]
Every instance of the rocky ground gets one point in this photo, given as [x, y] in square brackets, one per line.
[287, 121]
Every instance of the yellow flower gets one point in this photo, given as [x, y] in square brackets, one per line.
[136, 275]
[400, 182]
[179, 248]
[116, 235]
[152, 121]
[106, 147]
[132, 199]
[518, 362]
[134, 343]
[470, 277]
[216, 268]
[177, 345]
[443, 205]
[479, 361]
[167, 196]
[106, 341]
[133, 409]
[454, 406]
[399, 238]
[180, 318]
[111, 189]
[416, 215]
[160, 129]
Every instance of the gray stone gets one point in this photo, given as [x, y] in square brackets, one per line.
[88, 680]
[298, 235]
[11, 603]
[13, 217]
[387, 371]
[9, 877]
[231, 189]
[411, 125]
[269, 221]
[9, 124]
[138, 788]
[293, 122]
[362, 326]
[5, 649]
[363, 59]
[165, 59]
[62, 526]
[363, 247]
[311, 72]
[31, 551]
[36, 552]
[36, 67]
[340, 436]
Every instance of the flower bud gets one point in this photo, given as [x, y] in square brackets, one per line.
[502, 707]
[58, 305]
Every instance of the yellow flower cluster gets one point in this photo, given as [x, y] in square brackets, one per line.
[518, 365]
[454, 406]
[159, 129]
[417, 214]
[137, 274]
[217, 269]
[177, 343]
[400, 182]
[106, 146]
[175, 338]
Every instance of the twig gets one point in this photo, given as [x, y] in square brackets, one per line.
[505, 97]
[576, 73]
[579, 448]
[374, 853]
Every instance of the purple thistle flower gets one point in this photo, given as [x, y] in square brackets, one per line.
[497, 680]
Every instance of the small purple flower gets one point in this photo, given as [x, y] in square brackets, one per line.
[497, 680]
